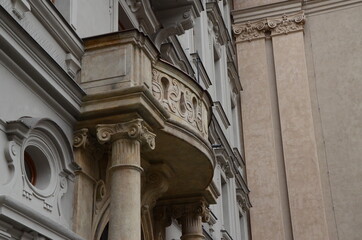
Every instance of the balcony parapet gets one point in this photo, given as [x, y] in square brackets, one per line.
[187, 103]
[113, 62]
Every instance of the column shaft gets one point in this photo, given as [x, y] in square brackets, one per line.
[125, 214]
[191, 227]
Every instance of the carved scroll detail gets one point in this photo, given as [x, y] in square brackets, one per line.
[282, 25]
[134, 129]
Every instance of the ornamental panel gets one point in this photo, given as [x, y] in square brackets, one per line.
[182, 100]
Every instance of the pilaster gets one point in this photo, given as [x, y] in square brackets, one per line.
[84, 155]
[281, 108]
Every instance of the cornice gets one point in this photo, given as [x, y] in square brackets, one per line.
[314, 7]
[24, 56]
[54, 22]
[266, 11]
[276, 26]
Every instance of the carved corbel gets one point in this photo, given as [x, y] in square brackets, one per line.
[223, 159]
[243, 200]
[145, 15]
[175, 22]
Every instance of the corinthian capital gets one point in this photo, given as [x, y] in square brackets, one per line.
[278, 25]
[134, 129]
[196, 209]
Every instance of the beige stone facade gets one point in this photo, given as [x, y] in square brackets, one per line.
[299, 64]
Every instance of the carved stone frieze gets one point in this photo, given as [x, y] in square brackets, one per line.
[250, 31]
[287, 23]
[134, 129]
[281, 25]
[179, 100]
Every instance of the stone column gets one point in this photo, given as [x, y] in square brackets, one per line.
[125, 174]
[191, 217]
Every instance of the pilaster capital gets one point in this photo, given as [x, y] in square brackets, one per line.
[276, 26]
[135, 130]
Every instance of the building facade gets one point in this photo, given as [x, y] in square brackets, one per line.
[300, 67]
[120, 120]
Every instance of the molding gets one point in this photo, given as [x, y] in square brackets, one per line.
[25, 57]
[280, 25]
[314, 7]
[266, 11]
[20, 7]
[225, 162]
[220, 110]
[234, 77]
[238, 157]
[20, 213]
[201, 71]
[132, 36]
[173, 52]
[215, 16]
[243, 200]
[225, 235]
[58, 27]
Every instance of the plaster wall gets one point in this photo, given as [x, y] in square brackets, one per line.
[27, 101]
[95, 17]
[334, 41]
[18, 100]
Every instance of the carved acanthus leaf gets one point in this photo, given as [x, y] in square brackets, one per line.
[281, 25]
[134, 129]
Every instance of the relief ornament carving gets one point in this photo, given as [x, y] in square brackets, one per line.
[276, 26]
[179, 100]
[134, 129]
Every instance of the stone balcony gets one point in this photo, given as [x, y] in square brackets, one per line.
[124, 79]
